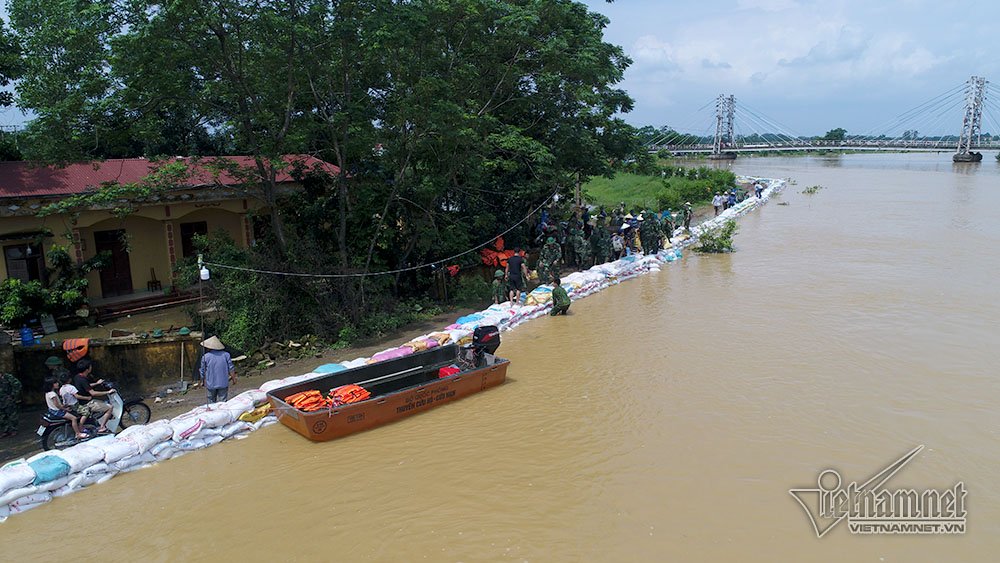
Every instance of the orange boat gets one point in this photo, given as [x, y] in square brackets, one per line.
[399, 387]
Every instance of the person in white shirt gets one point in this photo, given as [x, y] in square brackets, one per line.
[57, 409]
[717, 202]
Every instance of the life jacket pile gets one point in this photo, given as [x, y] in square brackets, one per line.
[346, 394]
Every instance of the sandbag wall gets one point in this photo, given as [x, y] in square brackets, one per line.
[28, 483]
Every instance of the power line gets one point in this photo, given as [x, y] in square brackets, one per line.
[387, 272]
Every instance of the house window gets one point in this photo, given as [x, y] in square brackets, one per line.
[188, 231]
[25, 262]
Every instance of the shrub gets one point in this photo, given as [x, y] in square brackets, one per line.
[718, 240]
[471, 290]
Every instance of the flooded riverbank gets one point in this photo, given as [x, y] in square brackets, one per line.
[667, 417]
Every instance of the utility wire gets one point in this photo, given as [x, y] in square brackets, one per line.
[387, 272]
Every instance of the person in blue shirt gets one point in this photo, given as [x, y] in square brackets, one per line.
[217, 371]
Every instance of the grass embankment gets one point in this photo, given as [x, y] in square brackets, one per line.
[696, 185]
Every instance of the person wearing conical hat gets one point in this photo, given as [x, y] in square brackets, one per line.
[217, 370]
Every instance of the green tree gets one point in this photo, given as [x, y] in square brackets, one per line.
[10, 63]
[837, 134]
[449, 120]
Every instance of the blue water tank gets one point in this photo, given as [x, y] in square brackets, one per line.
[27, 337]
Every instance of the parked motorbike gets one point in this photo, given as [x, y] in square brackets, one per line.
[58, 433]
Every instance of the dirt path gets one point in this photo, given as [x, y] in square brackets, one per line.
[25, 442]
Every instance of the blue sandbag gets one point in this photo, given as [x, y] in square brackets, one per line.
[49, 468]
[329, 368]
[474, 317]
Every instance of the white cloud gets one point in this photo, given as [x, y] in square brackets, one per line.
[786, 56]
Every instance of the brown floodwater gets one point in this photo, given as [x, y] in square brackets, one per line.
[665, 419]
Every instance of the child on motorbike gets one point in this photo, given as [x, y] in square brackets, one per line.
[68, 393]
[57, 409]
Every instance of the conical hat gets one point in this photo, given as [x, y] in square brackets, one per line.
[213, 344]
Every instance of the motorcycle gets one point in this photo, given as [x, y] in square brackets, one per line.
[57, 433]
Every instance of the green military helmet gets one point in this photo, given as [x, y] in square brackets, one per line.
[53, 361]
[498, 274]
[550, 240]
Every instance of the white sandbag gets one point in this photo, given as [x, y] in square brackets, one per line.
[355, 363]
[81, 456]
[161, 447]
[4, 513]
[206, 433]
[190, 444]
[186, 426]
[15, 475]
[256, 396]
[63, 491]
[217, 417]
[105, 478]
[97, 469]
[165, 453]
[14, 494]
[213, 440]
[238, 405]
[82, 480]
[119, 449]
[145, 437]
[234, 428]
[26, 503]
[266, 421]
[273, 384]
[129, 462]
[53, 485]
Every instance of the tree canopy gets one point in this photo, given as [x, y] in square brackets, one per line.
[449, 119]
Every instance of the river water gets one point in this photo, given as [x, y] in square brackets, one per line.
[665, 419]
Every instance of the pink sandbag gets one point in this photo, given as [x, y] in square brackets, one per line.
[392, 354]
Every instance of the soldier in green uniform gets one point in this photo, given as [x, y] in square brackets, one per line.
[647, 234]
[10, 396]
[560, 299]
[667, 226]
[581, 250]
[688, 214]
[499, 289]
[604, 247]
[549, 260]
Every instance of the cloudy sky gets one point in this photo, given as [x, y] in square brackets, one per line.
[808, 65]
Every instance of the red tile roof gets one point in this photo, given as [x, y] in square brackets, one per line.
[25, 179]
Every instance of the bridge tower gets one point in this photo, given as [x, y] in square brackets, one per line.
[975, 95]
[725, 111]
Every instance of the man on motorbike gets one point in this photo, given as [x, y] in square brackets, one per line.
[87, 395]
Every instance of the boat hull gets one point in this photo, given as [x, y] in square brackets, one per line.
[322, 426]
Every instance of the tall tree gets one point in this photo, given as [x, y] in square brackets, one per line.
[10, 63]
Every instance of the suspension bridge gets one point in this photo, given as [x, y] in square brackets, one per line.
[740, 129]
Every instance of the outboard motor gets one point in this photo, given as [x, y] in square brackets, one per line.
[485, 340]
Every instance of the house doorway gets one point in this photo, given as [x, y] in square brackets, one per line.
[116, 278]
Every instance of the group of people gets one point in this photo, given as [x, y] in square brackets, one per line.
[722, 202]
[75, 394]
[73, 397]
[585, 240]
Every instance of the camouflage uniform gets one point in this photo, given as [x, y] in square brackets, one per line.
[581, 251]
[548, 261]
[647, 234]
[10, 396]
[601, 243]
[667, 226]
